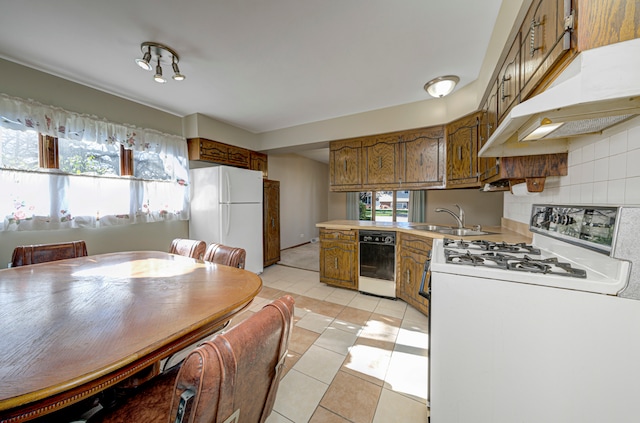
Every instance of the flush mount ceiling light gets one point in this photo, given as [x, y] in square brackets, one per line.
[441, 86]
[163, 56]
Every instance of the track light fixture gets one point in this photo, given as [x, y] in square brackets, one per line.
[164, 56]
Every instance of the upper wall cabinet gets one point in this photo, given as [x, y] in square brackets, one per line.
[462, 152]
[345, 165]
[217, 152]
[421, 153]
[411, 159]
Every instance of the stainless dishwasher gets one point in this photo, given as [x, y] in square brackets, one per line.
[377, 266]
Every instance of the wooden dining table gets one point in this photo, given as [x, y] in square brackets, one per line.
[73, 328]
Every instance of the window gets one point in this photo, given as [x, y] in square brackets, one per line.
[59, 169]
[384, 206]
[18, 149]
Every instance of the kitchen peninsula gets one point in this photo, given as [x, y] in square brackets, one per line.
[340, 257]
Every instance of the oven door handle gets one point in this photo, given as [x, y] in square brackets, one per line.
[426, 271]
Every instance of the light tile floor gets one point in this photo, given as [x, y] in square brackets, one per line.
[352, 357]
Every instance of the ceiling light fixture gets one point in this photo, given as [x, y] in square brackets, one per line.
[164, 56]
[441, 86]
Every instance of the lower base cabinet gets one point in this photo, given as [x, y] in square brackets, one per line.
[413, 253]
[339, 258]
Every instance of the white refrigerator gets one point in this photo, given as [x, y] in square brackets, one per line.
[226, 208]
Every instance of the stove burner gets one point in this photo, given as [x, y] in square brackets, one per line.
[549, 266]
[483, 245]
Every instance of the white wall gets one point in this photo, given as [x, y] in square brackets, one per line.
[603, 169]
[304, 192]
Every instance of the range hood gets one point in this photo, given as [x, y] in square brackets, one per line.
[600, 88]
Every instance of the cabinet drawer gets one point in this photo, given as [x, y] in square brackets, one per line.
[338, 235]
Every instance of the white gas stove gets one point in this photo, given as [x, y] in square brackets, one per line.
[546, 332]
[571, 249]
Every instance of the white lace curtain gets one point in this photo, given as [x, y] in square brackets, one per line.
[34, 200]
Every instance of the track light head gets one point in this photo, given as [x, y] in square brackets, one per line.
[144, 62]
[176, 71]
[158, 76]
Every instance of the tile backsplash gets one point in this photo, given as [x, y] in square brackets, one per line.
[603, 169]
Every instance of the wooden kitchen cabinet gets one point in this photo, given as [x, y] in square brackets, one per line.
[345, 165]
[543, 41]
[380, 155]
[339, 258]
[462, 152]
[413, 253]
[217, 152]
[271, 222]
[259, 161]
[421, 153]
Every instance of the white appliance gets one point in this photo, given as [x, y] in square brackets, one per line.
[226, 208]
[517, 337]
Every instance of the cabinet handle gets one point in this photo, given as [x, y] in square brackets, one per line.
[532, 37]
[379, 162]
[408, 276]
[273, 222]
[460, 153]
[420, 159]
[505, 78]
[345, 165]
[335, 262]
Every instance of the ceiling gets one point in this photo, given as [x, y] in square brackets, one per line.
[257, 65]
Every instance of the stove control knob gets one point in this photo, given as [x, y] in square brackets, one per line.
[388, 240]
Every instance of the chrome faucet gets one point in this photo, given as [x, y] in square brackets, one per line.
[459, 218]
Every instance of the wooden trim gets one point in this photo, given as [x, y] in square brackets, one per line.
[48, 152]
[126, 161]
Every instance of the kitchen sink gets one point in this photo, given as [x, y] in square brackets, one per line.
[462, 231]
[431, 228]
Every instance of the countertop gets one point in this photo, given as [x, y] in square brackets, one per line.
[496, 233]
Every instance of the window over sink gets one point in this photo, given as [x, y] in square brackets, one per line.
[384, 206]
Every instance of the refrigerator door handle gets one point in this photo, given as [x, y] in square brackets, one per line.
[227, 192]
[227, 218]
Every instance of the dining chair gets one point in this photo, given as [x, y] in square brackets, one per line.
[233, 377]
[223, 254]
[188, 247]
[40, 253]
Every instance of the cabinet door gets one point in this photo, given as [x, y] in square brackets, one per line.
[271, 223]
[422, 156]
[509, 81]
[339, 257]
[259, 161]
[488, 167]
[543, 41]
[413, 254]
[344, 163]
[201, 149]
[462, 152]
[238, 156]
[380, 157]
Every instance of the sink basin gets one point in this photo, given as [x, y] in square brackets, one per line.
[462, 231]
[432, 228]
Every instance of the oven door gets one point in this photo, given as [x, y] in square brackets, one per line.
[377, 261]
